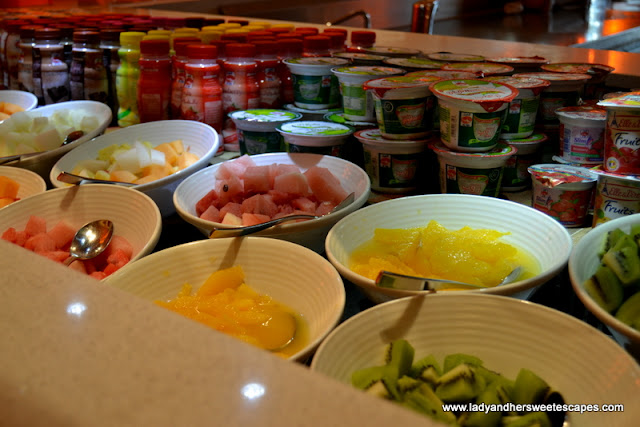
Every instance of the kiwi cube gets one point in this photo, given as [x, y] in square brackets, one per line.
[455, 359]
[605, 288]
[460, 384]
[624, 260]
[400, 355]
[529, 388]
[366, 377]
[629, 311]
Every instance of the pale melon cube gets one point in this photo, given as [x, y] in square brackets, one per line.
[4, 116]
[123, 176]
[170, 153]
[177, 145]
[21, 121]
[157, 158]
[93, 165]
[128, 161]
[186, 159]
[143, 153]
[38, 124]
[22, 148]
[48, 140]
[102, 174]
[88, 123]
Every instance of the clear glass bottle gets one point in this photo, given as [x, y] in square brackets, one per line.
[127, 76]
[12, 52]
[25, 62]
[88, 76]
[50, 72]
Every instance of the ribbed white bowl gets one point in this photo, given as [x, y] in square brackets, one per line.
[583, 364]
[42, 163]
[584, 262]
[30, 182]
[197, 137]
[310, 234]
[24, 99]
[135, 216]
[547, 240]
[290, 274]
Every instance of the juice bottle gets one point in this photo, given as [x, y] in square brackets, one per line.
[178, 62]
[289, 48]
[12, 52]
[201, 93]
[154, 84]
[313, 46]
[127, 76]
[268, 78]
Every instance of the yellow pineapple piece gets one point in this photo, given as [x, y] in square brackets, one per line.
[220, 280]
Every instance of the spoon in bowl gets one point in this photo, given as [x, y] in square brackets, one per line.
[69, 139]
[387, 279]
[71, 178]
[243, 231]
[90, 240]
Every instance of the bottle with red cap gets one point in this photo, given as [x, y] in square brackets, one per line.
[154, 84]
[361, 39]
[178, 62]
[222, 56]
[338, 40]
[88, 76]
[25, 63]
[314, 46]
[268, 78]
[289, 48]
[50, 72]
[202, 94]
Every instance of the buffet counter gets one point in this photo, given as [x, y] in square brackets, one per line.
[76, 352]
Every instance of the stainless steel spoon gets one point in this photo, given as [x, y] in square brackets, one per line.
[90, 240]
[243, 231]
[387, 279]
[71, 178]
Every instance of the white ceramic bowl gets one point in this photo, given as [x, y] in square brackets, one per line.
[310, 233]
[30, 182]
[24, 99]
[135, 216]
[543, 237]
[584, 262]
[292, 275]
[199, 138]
[42, 163]
[583, 364]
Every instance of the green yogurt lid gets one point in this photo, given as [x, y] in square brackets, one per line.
[556, 77]
[414, 62]
[501, 149]
[265, 115]
[374, 135]
[478, 91]
[293, 107]
[629, 99]
[520, 82]
[455, 57]
[479, 67]
[388, 50]
[315, 128]
[339, 117]
[368, 70]
[320, 60]
[444, 74]
[358, 55]
[398, 82]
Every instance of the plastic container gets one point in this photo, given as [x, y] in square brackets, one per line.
[352, 149]
[127, 78]
[413, 63]
[357, 103]
[615, 196]
[393, 166]
[314, 85]
[521, 64]
[404, 106]
[287, 48]
[358, 58]
[88, 75]
[315, 137]
[595, 87]
[268, 77]
[582, 134]
[523, 109]
[565, 90]
[455, 57]
[257, 132]
[481, 69]
[622, 134]
[154, 84]
[516, 175]
[563, 192]
[50, 72]
[472, 112]
[392, 52]
[472, 173]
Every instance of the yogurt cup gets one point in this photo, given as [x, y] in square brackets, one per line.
[311, 114]
[393, 166]
[404, 106]
[615, 196]
[257, 129]
[472, 173]
[357, 103]
[472, 112]
[394, 52]
[622, 134]
[523, 109]
[352, 149]
[563, 192]
[414, 63]
[314, 85]
[516, 175]
[358, 58]
[595, 87]
[481, 69]
[317, 137]
[582, 134]
[443, 74]
[521, 64]
[565, 90]
[454, 57]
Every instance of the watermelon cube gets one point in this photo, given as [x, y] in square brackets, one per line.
[119, 243]
[253, 219]
[324, 185]
[304, 204]
[256, 180]
[235, 167]
[57, 256]
[10, 235]
[40, 243]
[118, 258]
[110, 269]
[211, 214]
[280, 198]
[231, 207]
[283, 210]
[35, 225]
[78, 266]
[260, 204]
[282, 169]
[206, 201]
[229, 190]
[294, 183]
[62, 234]
[324, 208]
[98, 275]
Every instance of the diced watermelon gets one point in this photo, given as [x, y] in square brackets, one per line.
[324, 185]
[61, 233]
[253, 219]
[283, 210]
[110, 269]
[206, 201]
[256, 180]
[98, 275]
[304, 204]
[40, 243]
[21, 237]
[273, 171]
[294, 183]
[229, 190]
[234, 208]
[324, 208]
[211, 214]
[260, 204]
[58, 256]
[280, 198]
[10, 235]
[119, 243]
[118, 258]
[89, 266]
[235, 167]
[282, 169]
[36, 225]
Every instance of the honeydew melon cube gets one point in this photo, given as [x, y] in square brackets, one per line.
[23, 148]
[87, 173]
[88, 123]
[144, 154]
[39, 123]
[20, 121]
[128, 161]
[157, 157]
[102, 174]
[47, 140]
[94, 165]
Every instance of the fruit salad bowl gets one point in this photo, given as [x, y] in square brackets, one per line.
[585, 261]
[308, 233]
[291, 275]
[197, 139]
[30, 182]
[548, 243]
[18, 100]
[506, 334]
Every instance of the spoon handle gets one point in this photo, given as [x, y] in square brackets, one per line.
[74, 179]
[243, 231]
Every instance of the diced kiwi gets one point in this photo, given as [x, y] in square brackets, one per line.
[366, 377]
[529, 388]
[488, 396]
[407, 383]
[532, 419]
[623, 259]
[635, 233]
[459, 384]
[378, 389]
[629, 311]
[425, 401]
[557, 418]
[605, 288]
[426, 369]
[610, 240]
[453, 360]
[400, 355]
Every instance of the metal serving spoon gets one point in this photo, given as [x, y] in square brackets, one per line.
[71, 178]
[387, 279]
[90, 240]
[243, 231]
[70, 138]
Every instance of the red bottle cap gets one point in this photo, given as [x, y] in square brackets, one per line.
[202, 51]
[154, 47]
[222, 46]
[336, 30]
[337, 39]
[290, 48]
[236, 37]
[267, 48]
[47, 34]
[240, 50]
[174, 22]
[87, 37]
[363, 38]
[278, 30]
[315, 43]
[309, 30]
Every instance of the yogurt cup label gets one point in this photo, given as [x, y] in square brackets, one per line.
[516, 176]
[550, 102]
[405, 118]
[315, 92]
[329, 150]
[622, 141]
[259, 142]
[460, 180]
[391, 171]
[615, 197]
[469, 131]
[356, 101]
[582, 144]
[521, 117]
[569, 207]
